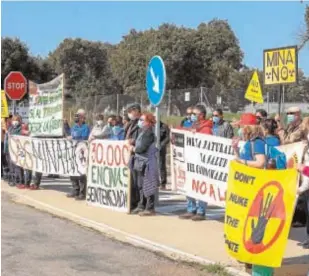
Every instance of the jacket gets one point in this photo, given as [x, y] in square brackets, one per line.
[101, 132]
[164, 135]
[204, 127]
[186, 123]
[223, 129]
[144, 140]
[305, 178]
[292, 134]
[66, 129]
[132, 130]
[80, 132]
[117, 133]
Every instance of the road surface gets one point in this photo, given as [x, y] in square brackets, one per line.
[35, 243]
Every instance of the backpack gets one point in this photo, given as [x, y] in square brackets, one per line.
[276, 156]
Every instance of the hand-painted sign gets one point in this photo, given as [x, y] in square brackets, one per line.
[108, 180]
[259, 212]
[50, 156]
[280, 65]
[46, 108]
[200, 164]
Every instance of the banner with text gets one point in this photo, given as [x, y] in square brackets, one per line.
[259, 212]
[50, 156]
[46, 108]
[200, 164]
[108, 181]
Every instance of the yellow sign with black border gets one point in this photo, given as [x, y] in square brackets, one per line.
[281, 65]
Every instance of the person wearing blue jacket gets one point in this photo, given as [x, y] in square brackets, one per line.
[80, 131]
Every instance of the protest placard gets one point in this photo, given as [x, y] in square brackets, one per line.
[50, 156]
[259, 212]
[200, 164]
[108, 181]
[46, 108]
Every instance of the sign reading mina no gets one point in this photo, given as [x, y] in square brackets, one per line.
[280, 65]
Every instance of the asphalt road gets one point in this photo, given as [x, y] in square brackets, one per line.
[38, 244]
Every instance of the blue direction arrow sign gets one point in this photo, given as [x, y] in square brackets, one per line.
[155, 80]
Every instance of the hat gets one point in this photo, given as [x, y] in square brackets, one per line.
[133, 106]
[293, 109]
[81, 111]
[247, 119]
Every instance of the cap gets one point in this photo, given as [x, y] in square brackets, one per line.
[293, 109]
[81, 111]
[247, 119]
[133, 106]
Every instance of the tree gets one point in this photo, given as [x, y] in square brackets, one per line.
[86, 68]
[304, 37]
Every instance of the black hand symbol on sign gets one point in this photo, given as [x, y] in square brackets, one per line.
[258, 230]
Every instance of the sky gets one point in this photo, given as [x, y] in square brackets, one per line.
[258, 25]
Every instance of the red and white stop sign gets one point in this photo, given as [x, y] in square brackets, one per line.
[15, 85]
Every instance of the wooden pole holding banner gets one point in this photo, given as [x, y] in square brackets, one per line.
[279, 100]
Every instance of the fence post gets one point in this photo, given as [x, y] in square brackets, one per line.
[117, 99]
[169, 103]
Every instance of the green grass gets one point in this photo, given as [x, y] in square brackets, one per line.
[216, 270]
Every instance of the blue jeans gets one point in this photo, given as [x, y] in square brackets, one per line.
[198, 207]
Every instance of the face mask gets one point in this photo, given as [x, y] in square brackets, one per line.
[15, 123]
[116, 129]
[239, 132]
[131, 116]
[140, 124]
[258, 119]
[290, 118]
[193, 118]
[216, 120]
[100, 123]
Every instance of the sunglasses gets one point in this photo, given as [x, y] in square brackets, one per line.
[291, 113]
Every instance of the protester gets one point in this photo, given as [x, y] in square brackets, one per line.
[293, 133]
[132, 131]
[66, 128]
[221, 127]
[144, 164]
[253, 152]
[186, 122]
[99, 130]
[125, 121]
[16, 173]
[5, 125]
[269, 127]
[164, 141]
[303, 190]
[118, 129]
[80, 131]
[261, 115]
[196, 209]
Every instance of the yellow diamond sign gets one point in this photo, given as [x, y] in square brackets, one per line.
[254, 90]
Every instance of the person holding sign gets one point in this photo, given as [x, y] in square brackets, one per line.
[80, 131]
[196, 209]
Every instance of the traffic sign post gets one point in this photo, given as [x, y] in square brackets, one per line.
[15, 86]
[155, 84]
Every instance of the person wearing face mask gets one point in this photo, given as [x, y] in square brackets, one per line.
[80, 131]
[118, 129]
[261, 115]
[220, 127]
[16, 173]
[293, 132]
[97, 131]
[131, 133]
[144, 165]
[196, 209]
[186, 122]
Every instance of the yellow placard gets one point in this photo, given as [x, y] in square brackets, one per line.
[259, 212]
[280, 65]
[4, 105]
[254, 90]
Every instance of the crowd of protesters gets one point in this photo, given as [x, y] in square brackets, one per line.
[259, 132]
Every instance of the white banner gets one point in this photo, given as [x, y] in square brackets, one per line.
[49, 156]
[108, 175]
[46, 108]
[200, 164]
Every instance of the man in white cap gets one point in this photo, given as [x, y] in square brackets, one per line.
[293, 132]
[79, 131]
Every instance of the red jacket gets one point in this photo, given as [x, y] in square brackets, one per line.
[204, 127]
